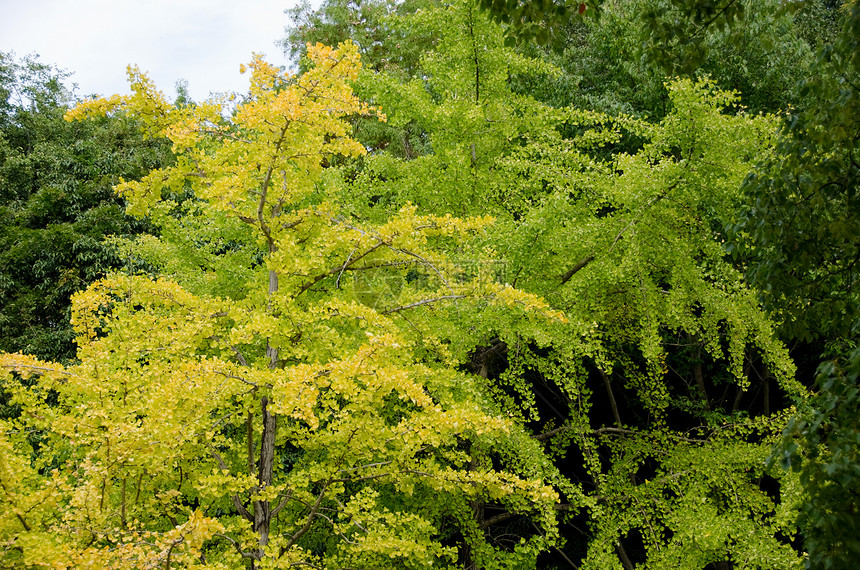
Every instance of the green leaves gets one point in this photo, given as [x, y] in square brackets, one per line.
[799, 231]
[821, 444]
[617, 222]
[535, 21]
[436, 342]
[55, 185]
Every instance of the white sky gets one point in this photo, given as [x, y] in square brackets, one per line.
[201, 41]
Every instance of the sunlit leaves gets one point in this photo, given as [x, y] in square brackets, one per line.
[253, 399]
[617, 222]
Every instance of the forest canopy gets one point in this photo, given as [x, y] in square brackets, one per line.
[476, 285]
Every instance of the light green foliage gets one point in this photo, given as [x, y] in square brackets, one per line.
[630, 246]
[646, 225]
[464, 103]
[631, 250]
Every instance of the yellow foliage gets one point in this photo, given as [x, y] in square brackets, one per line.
[178, 390]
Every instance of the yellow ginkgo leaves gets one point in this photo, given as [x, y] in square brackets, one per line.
[247, 398]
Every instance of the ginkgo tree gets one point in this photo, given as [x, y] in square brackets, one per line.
[253, 402]
[659, 398]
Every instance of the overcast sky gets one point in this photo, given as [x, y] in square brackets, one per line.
[201, 41]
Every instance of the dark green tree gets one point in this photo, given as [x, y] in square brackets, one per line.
[606, 67]
[821, 443]
[674, 34]
[57, 203]
[385, 46]
[800, 236]
[801, 231]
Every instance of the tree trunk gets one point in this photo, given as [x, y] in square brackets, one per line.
[265, 471]
[262, 509]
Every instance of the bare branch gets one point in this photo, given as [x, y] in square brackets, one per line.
[612, 402]
[239, 356]
[551, 433]
[425, 262]
[235, 545]
[424, 302]
[497, 519]
[621, 431]
[310, 519]
[338, 268]
[282, 504]
[234, 377]
[342, 269]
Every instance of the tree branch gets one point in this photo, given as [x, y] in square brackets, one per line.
[282, 504]
[704, 26]
[235, 545]
[550, 433]
[424, 302]
[299, 533]
[611, 396]
[339, 268]
[572, 271]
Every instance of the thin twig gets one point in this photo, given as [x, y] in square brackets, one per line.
[424, 302]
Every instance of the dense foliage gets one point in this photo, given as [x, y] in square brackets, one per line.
[57, 204]
[821, 443]
[473, 304]
[802, 222]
